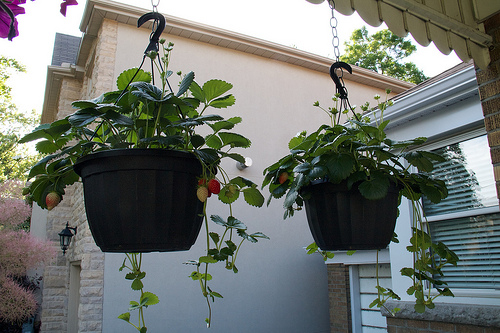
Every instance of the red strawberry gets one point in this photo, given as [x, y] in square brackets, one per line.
[214, 186]
[202, 181]
[202, 193]
[52, 199]
[283, 177]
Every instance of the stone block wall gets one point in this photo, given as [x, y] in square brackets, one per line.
[70, 91]
[101, 62]
[339, 298]
[83, 250]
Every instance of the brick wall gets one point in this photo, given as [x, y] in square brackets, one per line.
[339, 298]
[83, 250]
[489, 92]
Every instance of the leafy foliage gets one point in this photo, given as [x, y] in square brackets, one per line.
[360, 154]
[384, 53]
[357, 152]
[142, 115]
[133, 262]
[15, 160]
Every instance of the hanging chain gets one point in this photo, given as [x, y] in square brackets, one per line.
[155, 6]
[333, 24]
[337, 77]
[337, 69]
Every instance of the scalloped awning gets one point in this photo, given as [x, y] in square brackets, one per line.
[450, 24]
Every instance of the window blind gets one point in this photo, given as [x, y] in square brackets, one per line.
[476, 241]
[468, 174]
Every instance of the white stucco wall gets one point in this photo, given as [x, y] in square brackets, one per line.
[279, 287]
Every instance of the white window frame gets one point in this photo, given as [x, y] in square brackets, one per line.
[483, 296]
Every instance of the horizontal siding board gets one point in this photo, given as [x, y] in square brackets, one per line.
[368, 285]
[384, 270]
[373, 319]
[366, 300]
[368, 329]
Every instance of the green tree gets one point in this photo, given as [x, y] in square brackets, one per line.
[15, 159]
[384, 53]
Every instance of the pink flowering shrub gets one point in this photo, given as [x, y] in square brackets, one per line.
[13, 212]
[16, 303]
[12, 188]
[19, 251]
[13, 209]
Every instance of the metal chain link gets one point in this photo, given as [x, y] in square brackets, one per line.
[339, 72]
[333, 24]
[155, 22]
[155, 6]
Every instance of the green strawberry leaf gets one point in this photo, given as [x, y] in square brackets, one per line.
[137, 284]
[152, 299]
[215, 88]
[125, 316]
[253, 197]
[126, 77]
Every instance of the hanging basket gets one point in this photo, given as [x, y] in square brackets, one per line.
[141, 200]
[342, 219]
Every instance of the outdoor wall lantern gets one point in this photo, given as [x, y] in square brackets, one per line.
[65, 237]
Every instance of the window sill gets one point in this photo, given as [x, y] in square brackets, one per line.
[467, 314]
[360, 257]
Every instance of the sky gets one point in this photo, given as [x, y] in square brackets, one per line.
[296, 23]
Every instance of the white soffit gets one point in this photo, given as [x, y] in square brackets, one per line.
[450, 24]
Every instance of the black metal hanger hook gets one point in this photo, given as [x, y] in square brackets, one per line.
[341, 90]
[158, 26]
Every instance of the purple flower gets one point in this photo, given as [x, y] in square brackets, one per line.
[65, 4]
[9, 9]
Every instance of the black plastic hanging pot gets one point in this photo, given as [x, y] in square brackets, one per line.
[141, 200]
[342, 219]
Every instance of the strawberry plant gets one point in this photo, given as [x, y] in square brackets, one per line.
[359, 154]
[142, 115]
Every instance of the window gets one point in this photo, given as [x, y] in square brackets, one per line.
[468, 220]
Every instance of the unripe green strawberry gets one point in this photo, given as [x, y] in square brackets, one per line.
[52, 199]
[214, 186]
[231, 191]
[202, 193]
[283, 177]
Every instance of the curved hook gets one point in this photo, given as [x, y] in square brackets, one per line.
[155, 35]
[341, 90]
